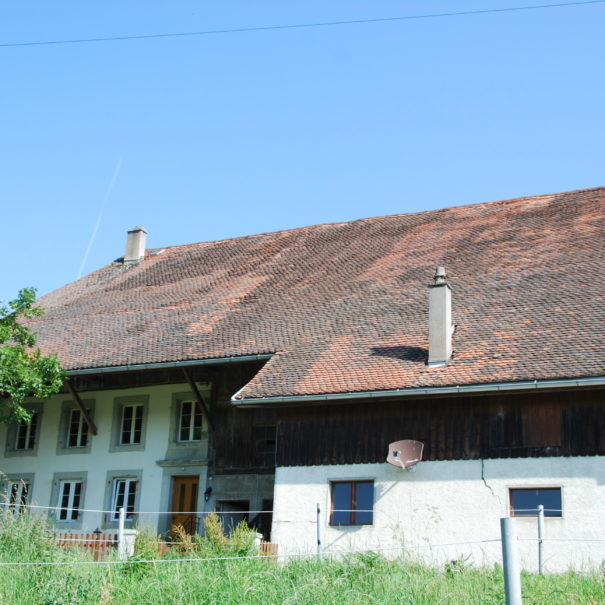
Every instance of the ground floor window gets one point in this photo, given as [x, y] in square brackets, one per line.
[124, 496]
[524, 501]
[352, 503]
[70, 494]
[18, 494]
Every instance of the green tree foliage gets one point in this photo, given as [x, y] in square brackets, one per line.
[24, 371]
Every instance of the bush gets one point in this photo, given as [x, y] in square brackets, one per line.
[214, 542]
[26, 536]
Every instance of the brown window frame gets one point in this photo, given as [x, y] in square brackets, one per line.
[353, 503]
[527, 513]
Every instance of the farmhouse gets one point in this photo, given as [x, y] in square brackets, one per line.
[266, 376]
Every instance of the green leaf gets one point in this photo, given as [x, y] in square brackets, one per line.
[25, 372]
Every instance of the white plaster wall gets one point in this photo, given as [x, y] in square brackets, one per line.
[153, 494]
[449, 502]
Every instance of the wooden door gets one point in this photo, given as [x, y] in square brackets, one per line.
[184, 503]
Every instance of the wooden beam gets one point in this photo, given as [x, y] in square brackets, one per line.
[198, 397]
[89, 421]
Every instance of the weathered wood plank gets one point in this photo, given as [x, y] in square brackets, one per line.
[496, 426]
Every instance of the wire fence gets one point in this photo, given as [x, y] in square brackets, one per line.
[529, 511]
[101, 545]
[286, 556]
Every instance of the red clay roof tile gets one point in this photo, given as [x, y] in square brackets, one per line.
[344, 305]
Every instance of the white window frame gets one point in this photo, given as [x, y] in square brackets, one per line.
[72, 510]
[195, 412]
[30, 428]
[82, 434]
[135, 407]
[18, 494]
[130, 491]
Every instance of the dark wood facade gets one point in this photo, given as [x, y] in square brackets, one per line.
[511, 425]
[537, 424]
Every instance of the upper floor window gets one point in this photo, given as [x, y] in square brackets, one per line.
[131, 428]
[190, 421]
[77, 435]
[524, 501]
[70, 494]
[124, 496]
[129, 424]
[25, 438]
[352, 503]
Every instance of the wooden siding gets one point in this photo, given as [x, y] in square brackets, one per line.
[241, 437]
[460, 428]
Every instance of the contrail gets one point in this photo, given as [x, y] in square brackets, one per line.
[114, 178]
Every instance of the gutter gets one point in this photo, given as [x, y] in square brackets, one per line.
[529, 385]
[170, 364]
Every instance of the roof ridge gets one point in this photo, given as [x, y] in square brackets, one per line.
[506, 201]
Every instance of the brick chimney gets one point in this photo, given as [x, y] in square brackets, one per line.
[135, 245]
[440, 320]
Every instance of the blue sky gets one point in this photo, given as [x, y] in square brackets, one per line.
[211, 137]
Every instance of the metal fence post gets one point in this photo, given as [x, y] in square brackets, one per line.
[510, 561]
[121, 541]
[541, 539]
[318, 523]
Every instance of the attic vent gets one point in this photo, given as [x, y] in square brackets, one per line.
[135, 245]
[440, 320]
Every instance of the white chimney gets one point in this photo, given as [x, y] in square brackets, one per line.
[135, 245]
[440, 320]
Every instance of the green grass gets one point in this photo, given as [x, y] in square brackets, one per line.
[367, 579]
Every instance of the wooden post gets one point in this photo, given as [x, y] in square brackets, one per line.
[89, 421]
[318, 522]
[198, 396]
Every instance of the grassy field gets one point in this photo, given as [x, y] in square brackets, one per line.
[366, 578]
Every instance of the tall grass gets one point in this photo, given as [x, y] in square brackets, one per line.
[357, 579]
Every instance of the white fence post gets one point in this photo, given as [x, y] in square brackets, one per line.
[121, 541]
[541, 539]
[510, 561]
[318, 523]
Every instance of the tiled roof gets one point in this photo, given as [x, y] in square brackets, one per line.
[344, 306]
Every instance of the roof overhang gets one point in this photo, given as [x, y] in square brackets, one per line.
[170, 364]
[531, 385]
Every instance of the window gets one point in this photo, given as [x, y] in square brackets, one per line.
[77, 431]
[129, 424]
[74, 434]
[131, 428]
[25, 438]
[124, 496]
[524, 502]
[70, 493]
[352, 503]
[18, 494]
[190, 421]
